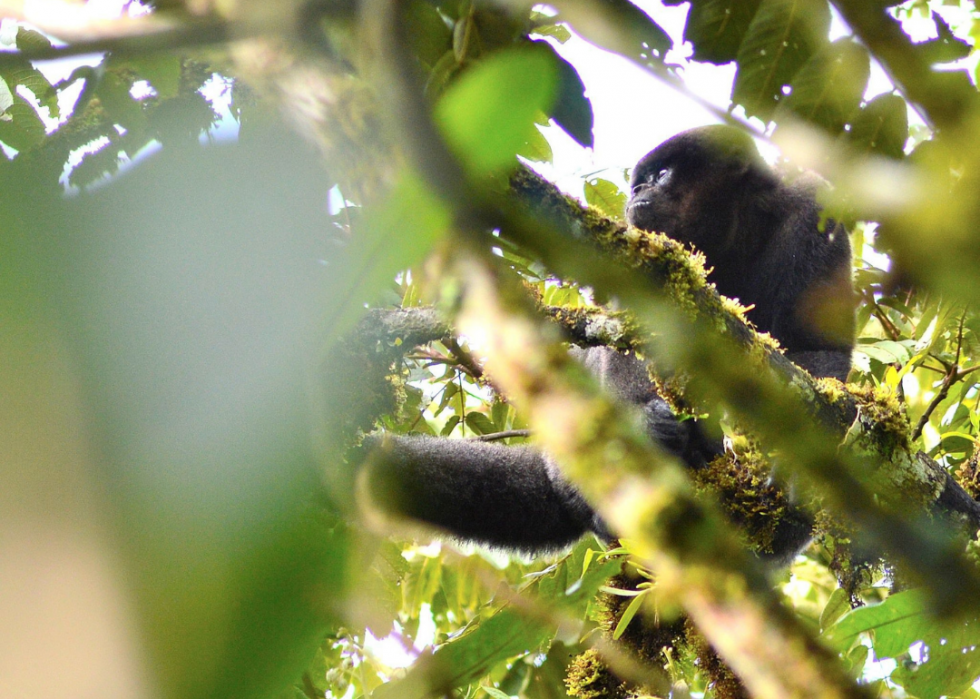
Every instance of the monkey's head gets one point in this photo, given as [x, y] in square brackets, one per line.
[696, 186]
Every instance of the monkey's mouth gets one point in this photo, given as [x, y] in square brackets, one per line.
[638, 208]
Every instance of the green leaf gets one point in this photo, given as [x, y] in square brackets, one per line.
[161, 70]
[716, 28]
[31, 40]
[558, 32]
[620, 26]
[430, 37]
[946, 47]
[113, 92]
[567, 588]
[450, 425]
[479, 423]
[468, 657]
[488, 114]
[605, 196]
[25, 129]
[828, 88]
[495, 693]
[394, 235]
[957, 442]
[951, 648]
[624, 621]
[781, 38]
[537, 148]
[886, 352]
[882, 127]
[95, 166]
[24, 73]
[572, 109]
[837, 606]
[213, 249]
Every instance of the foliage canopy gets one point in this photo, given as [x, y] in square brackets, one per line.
[193, 349]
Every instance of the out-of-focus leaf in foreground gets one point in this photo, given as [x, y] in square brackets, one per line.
[488, 115]
[191, 290]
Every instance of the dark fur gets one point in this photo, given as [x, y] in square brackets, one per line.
[708, 187]
[763, 237]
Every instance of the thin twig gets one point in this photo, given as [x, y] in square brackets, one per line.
[948, 382]
[193, 33]
[506, 434]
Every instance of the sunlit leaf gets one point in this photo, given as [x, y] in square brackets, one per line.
[488, 114]
[836, 607]
[605, 196]
[537, 148]
[951, 649]
[469, 657]
[558, 32]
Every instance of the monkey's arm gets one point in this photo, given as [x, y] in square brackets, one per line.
[625, 377]
[508, 497]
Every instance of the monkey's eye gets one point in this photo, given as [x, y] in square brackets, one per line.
[660, 177]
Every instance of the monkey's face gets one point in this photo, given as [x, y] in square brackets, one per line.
[688, 186]
[664, 194]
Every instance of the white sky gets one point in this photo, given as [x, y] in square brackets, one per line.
[635, 111]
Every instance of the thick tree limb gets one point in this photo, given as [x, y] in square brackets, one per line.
[786, 419]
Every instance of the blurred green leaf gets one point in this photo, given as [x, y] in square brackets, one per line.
[946, 47]
[113, 91]
[94, 166]
[31, 40]
[161, 70]
[558, 32]
[487, 115]
[469, 657]
[829, 86]
[394, 235]
[192, 289]
[537, 148]
[572, 109]
[431, 36]
[882, 126]
[716, 28]
[782, 37]
[25, 129]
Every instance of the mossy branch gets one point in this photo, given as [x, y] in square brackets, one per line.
[727, 361]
